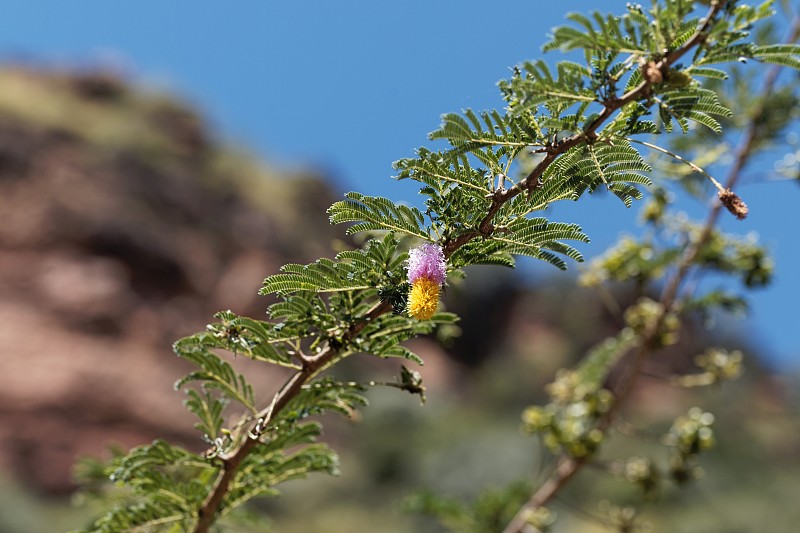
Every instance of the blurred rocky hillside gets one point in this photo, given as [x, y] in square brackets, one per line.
[125, 225]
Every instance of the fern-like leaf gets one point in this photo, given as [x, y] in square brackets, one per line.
[618, 166]
[215, 373]
[145, 517]
[482, 252]
[148, 458]
[442, 172]
[707, 72]
[262, 470]
[169, 484]
[603, 33]
[489, 136]
[324, 275]
[208, 409]
[351, 270]
[324, 395]
[535, 236]
[255, 339]
[692, 103]
[786, 55]
[383, 336]
[538, 87]
[375, 213]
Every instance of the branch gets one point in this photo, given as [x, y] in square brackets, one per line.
[313, 364]
[568, 466]
[231, 463]
[685, 161]
[531, 181]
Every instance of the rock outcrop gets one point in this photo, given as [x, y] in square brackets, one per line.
[125, 225]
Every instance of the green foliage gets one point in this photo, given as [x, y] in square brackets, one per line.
[215, 373]
[575, 421]
[473, 133]
[483, 252]
[595, 367]
[263, 470]
[443, 174]
[629, 259]
[535, 236]
[617, 165]
[630, 32]
[688, 436]
[693, 103]
[239, 335]
[566, 130]
[736, 255]
[785, 55]
[578, 400]
[352, 270]
[167, 482]
[147, 516]
[209, 411]
[490, 511]
[650, 259]
[324, 275]
[144, 464]
[324, 395]
[556, 93]
[373, 213]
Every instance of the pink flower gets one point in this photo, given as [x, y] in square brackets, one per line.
[426, 261]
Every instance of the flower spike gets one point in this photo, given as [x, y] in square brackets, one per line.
[426, 274]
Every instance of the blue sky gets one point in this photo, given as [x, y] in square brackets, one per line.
[349, 87]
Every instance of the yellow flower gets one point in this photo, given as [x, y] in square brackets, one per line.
[423, 298]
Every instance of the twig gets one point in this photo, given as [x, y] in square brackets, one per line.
[230, 466]
[683, 160]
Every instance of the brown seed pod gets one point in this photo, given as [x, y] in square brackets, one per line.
[733, 203]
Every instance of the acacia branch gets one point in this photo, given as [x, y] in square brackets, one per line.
[568, 466]
[231, 463]
[531, 181]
